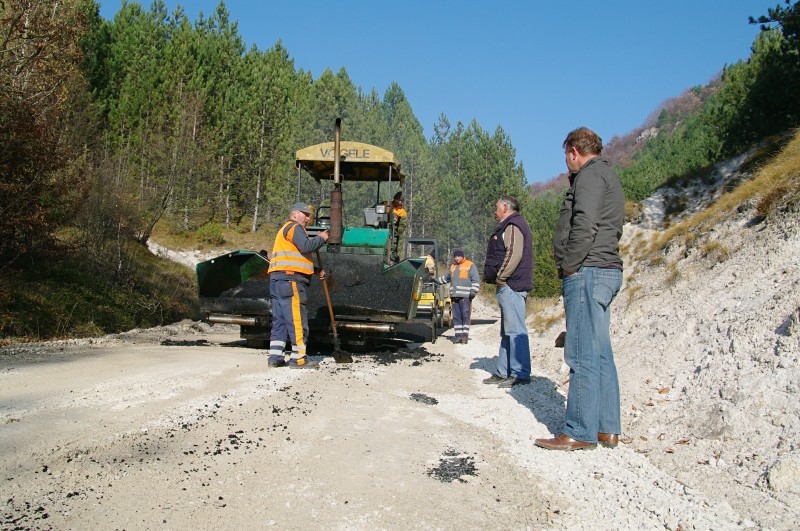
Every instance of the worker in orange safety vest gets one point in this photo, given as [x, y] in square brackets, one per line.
[290, 271]
[464, 284]
[398, 220]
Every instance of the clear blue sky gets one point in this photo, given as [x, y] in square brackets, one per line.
[536, 68]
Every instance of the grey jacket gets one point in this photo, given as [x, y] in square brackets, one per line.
[591, 218]
[463, 278]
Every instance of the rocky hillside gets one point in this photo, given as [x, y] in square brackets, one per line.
[707, 337]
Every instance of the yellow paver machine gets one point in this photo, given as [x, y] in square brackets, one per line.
[368, 300]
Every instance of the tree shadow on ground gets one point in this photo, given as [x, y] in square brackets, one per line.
[540, 395]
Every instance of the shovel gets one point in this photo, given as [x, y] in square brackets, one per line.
[339, 356]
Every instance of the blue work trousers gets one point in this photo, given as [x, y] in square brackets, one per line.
[289, 318]
[462, 314]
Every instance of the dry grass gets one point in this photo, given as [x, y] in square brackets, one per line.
[233, 237]
[543, 316]
[715, 251]
[673, 274]
[633, 291]
[540, 304]
[633, 210]
[640, 245]
[776, 185]
[779, 183]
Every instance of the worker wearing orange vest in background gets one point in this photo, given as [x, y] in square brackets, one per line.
[464, 285]
[397, 228]
[290, 271]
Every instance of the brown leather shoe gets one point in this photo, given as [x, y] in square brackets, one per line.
[609, 440]
[564, 442]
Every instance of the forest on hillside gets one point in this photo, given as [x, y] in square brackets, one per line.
[110, 128]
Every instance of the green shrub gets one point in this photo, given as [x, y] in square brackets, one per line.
[211, 233]
[61, 293]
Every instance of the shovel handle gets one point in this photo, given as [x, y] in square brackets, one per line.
[328, 298]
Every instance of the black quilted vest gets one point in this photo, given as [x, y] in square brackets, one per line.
[522, 278]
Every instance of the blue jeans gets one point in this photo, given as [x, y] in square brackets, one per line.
[514, 357]
[593, 399]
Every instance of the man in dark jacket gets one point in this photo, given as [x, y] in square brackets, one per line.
[586, 250]
[509, 265]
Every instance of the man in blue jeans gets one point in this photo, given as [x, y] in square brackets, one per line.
[586, 250]
[509, 265]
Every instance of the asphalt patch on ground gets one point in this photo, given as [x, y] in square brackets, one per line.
[423, 398]
[417, 356]
[453, 465]
[185, 343]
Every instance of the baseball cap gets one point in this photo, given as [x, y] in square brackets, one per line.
[302, 207]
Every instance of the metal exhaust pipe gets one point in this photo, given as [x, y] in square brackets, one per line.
[337, 134]
[232, 319]
[337, 206]
[365, 327]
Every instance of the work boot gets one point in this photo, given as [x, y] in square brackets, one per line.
[276, 362]
[303, 363]
[493, 379]
[511, 381]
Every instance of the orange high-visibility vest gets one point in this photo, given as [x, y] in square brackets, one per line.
[285, 255]
[462, 283]
[463, 269]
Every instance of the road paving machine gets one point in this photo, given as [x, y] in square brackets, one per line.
[365, 300]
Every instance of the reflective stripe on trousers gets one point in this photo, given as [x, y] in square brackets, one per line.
[289, 318]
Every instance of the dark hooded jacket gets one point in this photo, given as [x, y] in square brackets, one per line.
[591, 218]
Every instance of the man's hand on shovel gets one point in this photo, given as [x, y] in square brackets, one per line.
[327, 278]
[331, 283]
